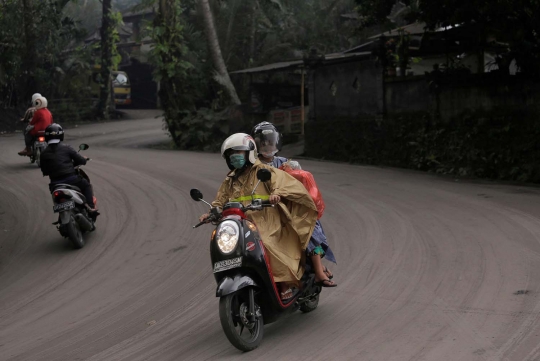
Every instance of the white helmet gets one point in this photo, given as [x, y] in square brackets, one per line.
[239, 141]
[40, 102]
[34, 97]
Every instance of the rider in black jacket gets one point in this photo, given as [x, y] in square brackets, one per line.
[58, 161]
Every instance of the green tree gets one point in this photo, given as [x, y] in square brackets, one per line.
[222, 75]
[107, 28]
[375, 11]
[249, 33]
[11, 49]
[169, 57]
[514, 22]
[34, 36]
[288, 28]
[509, 21]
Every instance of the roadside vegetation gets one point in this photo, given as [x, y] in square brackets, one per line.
[197, 43]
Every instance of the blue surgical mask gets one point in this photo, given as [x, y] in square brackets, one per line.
[237, 160]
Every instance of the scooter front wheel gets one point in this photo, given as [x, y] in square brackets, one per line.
[242, 333]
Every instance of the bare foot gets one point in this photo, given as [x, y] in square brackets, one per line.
[327, 272]
[326, 283]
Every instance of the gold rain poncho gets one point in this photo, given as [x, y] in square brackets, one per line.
[286, 228]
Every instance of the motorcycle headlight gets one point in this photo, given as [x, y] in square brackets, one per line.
[227, 236]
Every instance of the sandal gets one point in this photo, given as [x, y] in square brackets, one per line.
[328, 273]
[326, 283]
[287, 295]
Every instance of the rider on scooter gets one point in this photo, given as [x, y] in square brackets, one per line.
[269, 142]
[285, 229]
[41, 118]
[30, 111]
[58, 161]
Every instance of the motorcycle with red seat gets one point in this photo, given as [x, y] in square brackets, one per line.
[248, 295]
[38, 146]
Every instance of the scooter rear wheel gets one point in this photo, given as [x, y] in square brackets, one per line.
[38, 156]
[75, 234]
[242, 334]
[310, 305]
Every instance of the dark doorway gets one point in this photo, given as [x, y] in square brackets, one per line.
[144, 91]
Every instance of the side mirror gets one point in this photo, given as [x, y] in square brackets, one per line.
[84, 147]
[264, 175]
[196, 195]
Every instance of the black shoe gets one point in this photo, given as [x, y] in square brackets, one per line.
[93, 215]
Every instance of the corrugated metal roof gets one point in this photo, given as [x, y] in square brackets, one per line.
[282, 65]
[297, 63]
[413, 29]
[357, 48]
[128, 16]
[339, 56]
[416, 29]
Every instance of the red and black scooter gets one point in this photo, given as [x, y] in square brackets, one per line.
[249, 298]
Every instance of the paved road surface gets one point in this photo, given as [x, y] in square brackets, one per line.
[429, 268]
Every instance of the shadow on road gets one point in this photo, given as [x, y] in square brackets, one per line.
[60, 245]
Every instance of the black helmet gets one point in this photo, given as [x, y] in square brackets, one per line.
[267, 138]
[54, 134]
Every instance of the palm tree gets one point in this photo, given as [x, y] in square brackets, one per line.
[106, 59]
[222, 76]
[29, 37]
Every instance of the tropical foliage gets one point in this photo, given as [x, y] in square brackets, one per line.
[262, 31]
[33, 42]
[512, 24]
[42, 50]
[249, 33]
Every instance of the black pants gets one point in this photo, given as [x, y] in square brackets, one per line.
[29, 139]
[82, 184]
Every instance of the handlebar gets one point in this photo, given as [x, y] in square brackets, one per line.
[215, 213]
[199, 224]
[210, 218]
[267, 204]
[258, 205]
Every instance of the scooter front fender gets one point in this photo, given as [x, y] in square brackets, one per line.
[230, 284]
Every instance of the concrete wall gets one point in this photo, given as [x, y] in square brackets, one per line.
[457, 99]
[480, 93]
[409, 94]
[356, 89]
[346, 90]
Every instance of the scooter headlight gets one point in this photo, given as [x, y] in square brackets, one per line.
[227, 236]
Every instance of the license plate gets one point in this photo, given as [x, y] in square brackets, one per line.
[227, 264]
[63, 206]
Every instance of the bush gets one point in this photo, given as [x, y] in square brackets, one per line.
[499, 144]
